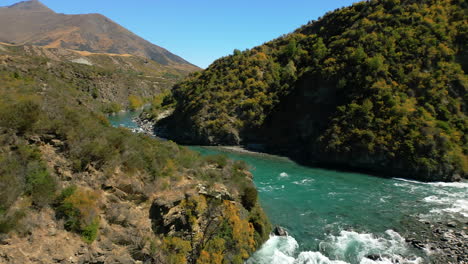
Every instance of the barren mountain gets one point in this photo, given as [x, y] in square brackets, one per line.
[31, 22]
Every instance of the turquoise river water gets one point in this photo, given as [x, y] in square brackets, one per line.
[338, 217]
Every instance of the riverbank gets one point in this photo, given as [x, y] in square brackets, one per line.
[446, 242]
[147, 124]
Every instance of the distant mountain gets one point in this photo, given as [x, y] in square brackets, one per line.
[33, 23]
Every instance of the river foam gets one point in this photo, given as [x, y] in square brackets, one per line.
[449, 199]
[304, 182]
[437, 184]
[347, 247]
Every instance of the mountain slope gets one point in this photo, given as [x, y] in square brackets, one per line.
[109, 79]
[379, 86]
[32, 23]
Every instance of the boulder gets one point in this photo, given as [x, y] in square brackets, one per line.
[374, 257]
[279, 231]
[217, 192]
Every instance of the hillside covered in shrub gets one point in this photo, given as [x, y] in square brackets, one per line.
[75, 189]
[380, 86]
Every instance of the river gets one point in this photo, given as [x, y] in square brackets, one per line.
[340, 217]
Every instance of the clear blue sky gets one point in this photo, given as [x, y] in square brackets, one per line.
[201, 31]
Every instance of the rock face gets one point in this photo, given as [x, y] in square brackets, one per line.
[146, 123]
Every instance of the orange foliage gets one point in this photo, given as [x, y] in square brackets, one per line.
[243, 231]
[87, 202]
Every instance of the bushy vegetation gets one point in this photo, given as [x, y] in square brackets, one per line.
[219, 159]
[135, 102]
[22, 173]
[111, 108]
[249, 197]
[379, 85]
[163, 102]
[176, 250]
[80, 210]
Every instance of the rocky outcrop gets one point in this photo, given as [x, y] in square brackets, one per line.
[208, 215]
[166, 217]
[168, 211]
[279, 231]
[147, 123]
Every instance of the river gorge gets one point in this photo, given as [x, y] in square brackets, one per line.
[343, 217]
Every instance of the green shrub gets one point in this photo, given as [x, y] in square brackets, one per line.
[41, 186]
[9, 221]
[168, 100]
[11, 184]
[212, 176]
[135, 102]
[260, 223]
[219, 159]
[65, 193]
[176, 250]
[90, 232]
[249, 197]
[240, 165]
[111, 108]
[67, 211]
[188, 159]
[79, 208]
[21, 116]
[22, 171]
